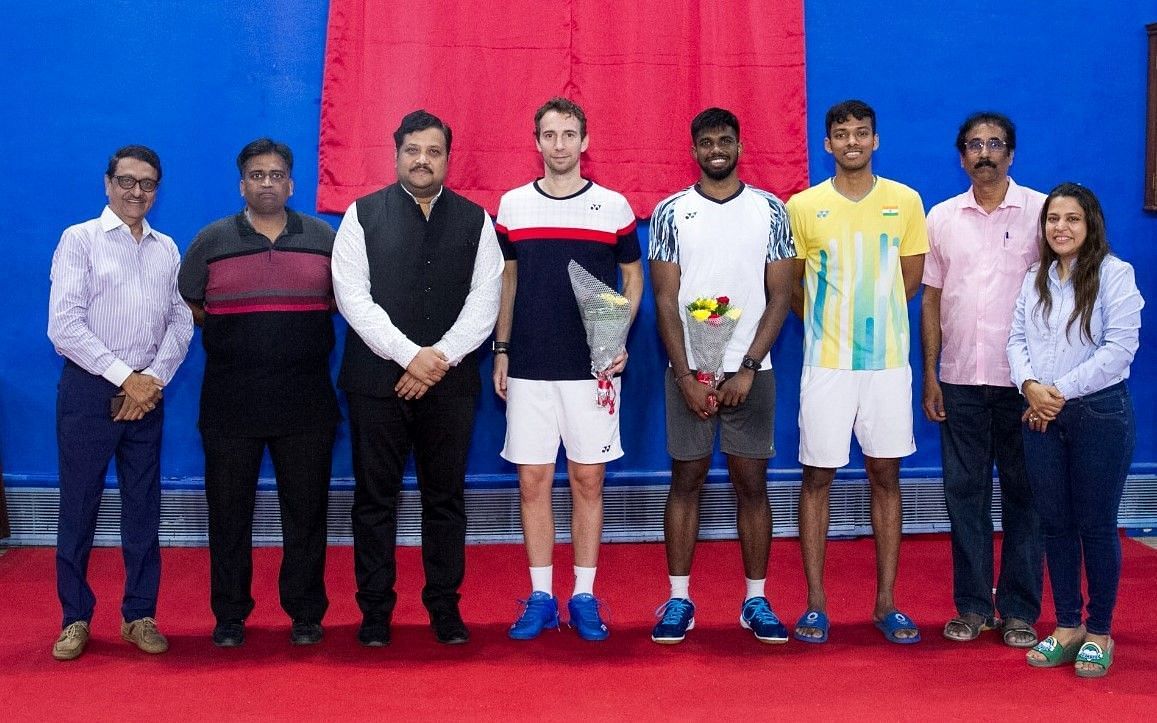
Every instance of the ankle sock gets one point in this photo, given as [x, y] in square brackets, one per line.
[542, 579]
[754, 588]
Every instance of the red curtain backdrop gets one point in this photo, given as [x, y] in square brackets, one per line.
[640, 70]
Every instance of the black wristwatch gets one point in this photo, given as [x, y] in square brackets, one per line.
[500, 347]
[749, 363]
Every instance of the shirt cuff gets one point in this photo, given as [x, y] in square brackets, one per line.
[410, 350]
[117, 372]
[441, 346]
[1067, 388]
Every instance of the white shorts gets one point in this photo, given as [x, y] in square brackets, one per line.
[875, 404]
[540, 414]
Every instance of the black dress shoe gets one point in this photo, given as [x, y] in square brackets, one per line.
[229, 633]
[448, 627]
[305, 633]
[374, 633]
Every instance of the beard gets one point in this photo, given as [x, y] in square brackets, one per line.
[718, 174]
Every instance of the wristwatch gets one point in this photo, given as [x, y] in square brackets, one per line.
[500, 347]
[749, 363]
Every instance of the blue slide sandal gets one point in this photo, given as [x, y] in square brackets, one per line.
[893, 623]
[812, 619]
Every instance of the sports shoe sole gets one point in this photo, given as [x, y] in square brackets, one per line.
[674, 641]
[771, 641]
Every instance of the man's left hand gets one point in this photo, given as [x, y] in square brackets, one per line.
[131, 410]
[618, 364]
[408, 387]
[734, 391]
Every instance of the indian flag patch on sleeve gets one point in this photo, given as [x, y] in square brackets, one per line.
[890, 211]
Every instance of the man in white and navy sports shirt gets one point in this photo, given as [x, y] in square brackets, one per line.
[542, 363]
[720, 237]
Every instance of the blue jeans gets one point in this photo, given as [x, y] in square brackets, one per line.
[982, 427]
[1077, 470]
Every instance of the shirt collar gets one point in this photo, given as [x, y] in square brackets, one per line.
[293, 223]
[110, 221]
[432, 200]
[1013, 197]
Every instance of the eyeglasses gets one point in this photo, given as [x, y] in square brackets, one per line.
[995, 145]
[147, 185]
[260, 176]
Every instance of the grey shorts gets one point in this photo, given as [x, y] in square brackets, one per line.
[747, 430]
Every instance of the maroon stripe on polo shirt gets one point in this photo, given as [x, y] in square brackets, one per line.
[269, 281]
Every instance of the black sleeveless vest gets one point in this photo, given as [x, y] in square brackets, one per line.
[420, 273]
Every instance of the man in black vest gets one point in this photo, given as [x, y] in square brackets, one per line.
[417, 274]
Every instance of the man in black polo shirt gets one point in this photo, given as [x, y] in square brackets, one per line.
[259, 285]
[417, 274]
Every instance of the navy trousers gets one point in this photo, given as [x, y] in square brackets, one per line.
[88, 440]
[983, 427]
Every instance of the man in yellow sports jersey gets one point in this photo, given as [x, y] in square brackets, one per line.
[860, 244]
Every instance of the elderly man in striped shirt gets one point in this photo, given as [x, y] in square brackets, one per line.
[117, 319]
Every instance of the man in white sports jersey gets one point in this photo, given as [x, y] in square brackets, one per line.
[542, 363]
[861, 241]
[720, 237]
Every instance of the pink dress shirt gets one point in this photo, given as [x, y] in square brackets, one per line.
[978, 260]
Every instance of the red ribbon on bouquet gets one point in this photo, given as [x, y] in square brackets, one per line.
[605, 395]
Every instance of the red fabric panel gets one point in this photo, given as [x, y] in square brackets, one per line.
[640, 70]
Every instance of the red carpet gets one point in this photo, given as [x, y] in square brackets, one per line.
[719, 672]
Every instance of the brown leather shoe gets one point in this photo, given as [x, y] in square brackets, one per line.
[71, 642]
[143, 633]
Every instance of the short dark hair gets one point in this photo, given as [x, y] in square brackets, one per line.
[141, 153]
[840, 112]
[992, 118]
[262, 146]
[562, 106]
[712, 118]
[420, 120]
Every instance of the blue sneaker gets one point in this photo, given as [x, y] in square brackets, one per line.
[758, 617]
[584, 617]
[540, 611]
[676, 617]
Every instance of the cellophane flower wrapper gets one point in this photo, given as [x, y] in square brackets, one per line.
[708, 339]
[606, 316]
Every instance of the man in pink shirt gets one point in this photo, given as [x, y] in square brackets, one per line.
[981, 243]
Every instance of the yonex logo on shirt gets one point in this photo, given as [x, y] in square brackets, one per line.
[823, 213]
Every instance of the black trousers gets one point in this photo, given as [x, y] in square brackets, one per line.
[383, 431]
[301, 463]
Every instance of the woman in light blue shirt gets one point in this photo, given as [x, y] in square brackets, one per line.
[1074, 333]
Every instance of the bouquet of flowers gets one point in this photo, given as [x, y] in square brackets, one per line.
[606, 316]
[711, 321]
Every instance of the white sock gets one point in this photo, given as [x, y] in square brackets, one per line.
[754, 588]
[584, 580]
[680, 586]
[542, 579]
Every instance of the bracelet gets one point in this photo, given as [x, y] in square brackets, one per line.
[500, 347]
[684, 376]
